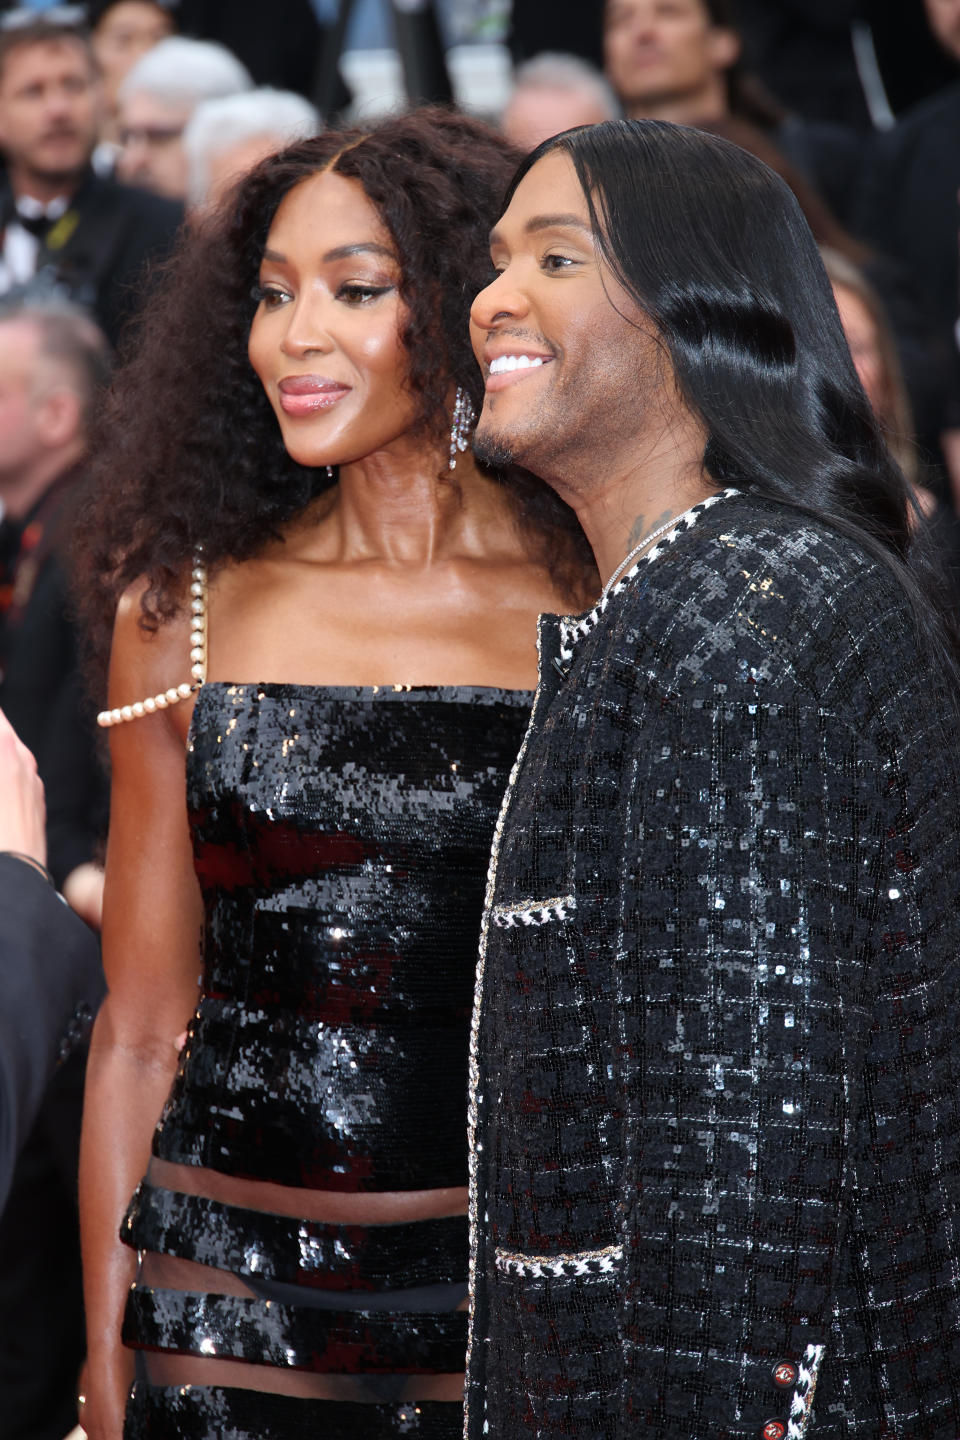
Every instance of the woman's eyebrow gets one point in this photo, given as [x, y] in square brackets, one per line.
[340, 252]
[363, 247]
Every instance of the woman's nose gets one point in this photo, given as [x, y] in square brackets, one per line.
[306, 329]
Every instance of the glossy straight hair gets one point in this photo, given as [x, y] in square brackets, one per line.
[713, 247]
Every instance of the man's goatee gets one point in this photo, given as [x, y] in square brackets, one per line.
[494, 451]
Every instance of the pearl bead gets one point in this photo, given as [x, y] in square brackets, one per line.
[198, 625]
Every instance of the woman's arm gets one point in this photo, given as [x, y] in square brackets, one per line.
[151, 951]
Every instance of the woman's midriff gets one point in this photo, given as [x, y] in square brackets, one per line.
[328, 1207]
[331, 1207]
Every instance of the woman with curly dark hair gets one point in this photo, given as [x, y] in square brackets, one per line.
[300, 550]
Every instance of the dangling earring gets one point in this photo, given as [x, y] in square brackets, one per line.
[329, 470]
[464, 419]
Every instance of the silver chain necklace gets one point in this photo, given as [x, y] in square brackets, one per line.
[641, 545]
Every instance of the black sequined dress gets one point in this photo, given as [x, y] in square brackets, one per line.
[341, 839]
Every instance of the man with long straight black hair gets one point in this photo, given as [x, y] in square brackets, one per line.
[715, 1089]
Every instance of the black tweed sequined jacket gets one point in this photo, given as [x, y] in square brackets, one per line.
[716, 1074]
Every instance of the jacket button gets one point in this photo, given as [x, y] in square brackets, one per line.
[784, 1374]
[774, 1430]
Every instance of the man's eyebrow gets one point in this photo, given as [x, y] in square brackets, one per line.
[340, 252]
[547, 222]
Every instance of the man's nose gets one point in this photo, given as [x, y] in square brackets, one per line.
[499, 300]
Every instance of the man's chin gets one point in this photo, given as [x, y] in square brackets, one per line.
[60, 162]
[494, 448]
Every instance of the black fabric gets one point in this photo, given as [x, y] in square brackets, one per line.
[908, 204]
[304, 1337]
[341, 837]
[42, 694]
[193, 1412]
[913, 65]
[284, 54]
[715, 1089]
[829, 156]
[802, 50]
[51, 985]
[436, 1298]
[51, 982]
[574, 28]
[104, 265]
[355, 1259]
[928, 359]
[41, 688]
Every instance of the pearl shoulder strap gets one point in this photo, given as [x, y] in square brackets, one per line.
[198, 658]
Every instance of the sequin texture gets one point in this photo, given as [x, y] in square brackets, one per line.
[341, 843]
[341, 839]
[715, 1089]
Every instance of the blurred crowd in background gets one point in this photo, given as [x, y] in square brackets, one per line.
[124, 120]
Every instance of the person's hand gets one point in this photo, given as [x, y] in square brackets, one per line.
[101, 1406]
[23, 811]
[83, 892]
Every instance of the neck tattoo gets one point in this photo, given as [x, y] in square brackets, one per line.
[637, 550]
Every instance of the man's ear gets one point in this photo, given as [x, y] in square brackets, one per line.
[58, 417]
[725, 47]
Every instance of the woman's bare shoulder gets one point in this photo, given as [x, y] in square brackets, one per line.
[149, 653]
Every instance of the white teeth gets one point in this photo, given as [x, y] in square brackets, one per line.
[503, 363]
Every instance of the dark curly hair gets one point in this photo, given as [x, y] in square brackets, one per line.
[189, 452]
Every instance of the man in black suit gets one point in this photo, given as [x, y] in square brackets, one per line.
[714, 1079]
[907, 206]
[50, 975]
[52, 361]
[79, 233]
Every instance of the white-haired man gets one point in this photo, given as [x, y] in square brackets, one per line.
[552, 93]
[156, 100]
[226, 138]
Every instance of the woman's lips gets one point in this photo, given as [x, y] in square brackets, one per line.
[306, 394]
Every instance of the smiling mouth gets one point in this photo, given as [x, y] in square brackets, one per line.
[507, 369]
[503, 363]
